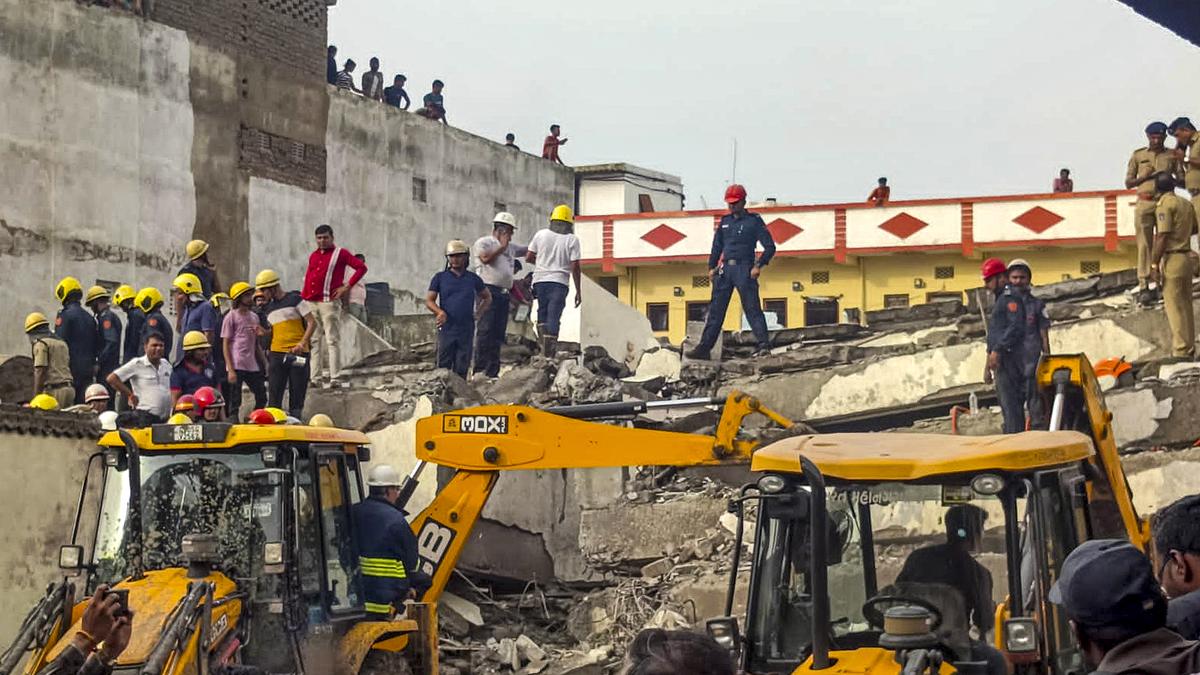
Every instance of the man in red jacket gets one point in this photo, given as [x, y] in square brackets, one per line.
[325, 285]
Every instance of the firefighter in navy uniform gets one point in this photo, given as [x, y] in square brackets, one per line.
[387, 547]
[733, 248]
[78, 329]
[123, 297]
[108, 334]
[150, 301]
[1005, 345]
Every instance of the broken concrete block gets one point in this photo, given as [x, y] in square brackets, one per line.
[706, 593]
[927, 313]
[592, 615]
[658, 568]
[1072, 289]
[518, 385]
[639, 533]
[667, 619]
[529, 650]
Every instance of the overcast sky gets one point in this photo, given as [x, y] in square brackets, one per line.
[946, 98]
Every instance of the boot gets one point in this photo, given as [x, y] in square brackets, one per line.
[549, 345]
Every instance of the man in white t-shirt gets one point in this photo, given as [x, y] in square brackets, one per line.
[555, 253]
[494, 264]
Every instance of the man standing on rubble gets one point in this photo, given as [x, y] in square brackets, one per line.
[108, 333]
[1005, 345]
[199, 265]
[1144, 166]
[555, 253]
[456, 296]
[733, 249]
[78, 329]
[51, 361]
[325, 286]
[1187, 154]
[1036, 341]
[1172, 264]
[495, 265]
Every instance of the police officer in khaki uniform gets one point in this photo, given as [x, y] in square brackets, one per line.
[1144, 166]
[1172, 264]
[51, 361]
[1187, 155]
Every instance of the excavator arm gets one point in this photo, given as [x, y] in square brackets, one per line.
[483, 441]
[1077, 403]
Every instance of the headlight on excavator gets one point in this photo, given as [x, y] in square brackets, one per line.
[273, 553]
[987, 484]
[70, 557]
[724, 631]
[1020, 636]
[772, 484]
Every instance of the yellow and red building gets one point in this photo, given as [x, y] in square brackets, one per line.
[836, 261]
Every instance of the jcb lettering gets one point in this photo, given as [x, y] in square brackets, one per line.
[475, 424]
[432, 543]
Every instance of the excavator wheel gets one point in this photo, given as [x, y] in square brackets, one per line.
[385, 663]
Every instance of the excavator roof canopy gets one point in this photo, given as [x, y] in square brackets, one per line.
[220, 436]
[901, 456]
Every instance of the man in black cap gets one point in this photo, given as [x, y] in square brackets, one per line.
[1177, 550]
[1188, 157]
[1119, 613]
[1144, 166]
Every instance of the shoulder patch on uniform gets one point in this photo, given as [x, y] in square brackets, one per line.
[107, 324]
[152, 322]
[1013, 306]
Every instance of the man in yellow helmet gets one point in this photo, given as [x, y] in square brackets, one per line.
[51, 361]
[108, 334]
[292, 326]
[200, 316]
[150, 301]
[555, 253]
[78, 329]
[124, 298]
[198, 265]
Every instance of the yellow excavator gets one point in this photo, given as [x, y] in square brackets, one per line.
[235, 544]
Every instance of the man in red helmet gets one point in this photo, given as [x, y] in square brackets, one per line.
[1005, 344]
[732, 265]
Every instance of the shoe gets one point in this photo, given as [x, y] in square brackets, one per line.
[761, 351]
[698, 354]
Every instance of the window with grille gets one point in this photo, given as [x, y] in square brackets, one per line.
[895, 301]
[659, 314]
[419, 193]
[820, 277]
[697, 311]
[701, 281]
[778, 307]
[1089, 267]
[946, 272]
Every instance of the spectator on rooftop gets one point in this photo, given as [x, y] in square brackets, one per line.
[372, 81]
[881, 194]
[434, 105]
[510, 141]
[1064, 183]
[394, 94]
[345, 78]
[550, 145]
[331, 70]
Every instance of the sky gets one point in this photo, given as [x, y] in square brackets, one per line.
[946, 98]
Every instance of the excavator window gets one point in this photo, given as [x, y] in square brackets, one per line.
[336, 490]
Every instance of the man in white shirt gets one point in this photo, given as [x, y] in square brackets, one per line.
[555, 253]
[146, 380]
[494, 263]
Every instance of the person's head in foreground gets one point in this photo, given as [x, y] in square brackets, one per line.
[676, 652]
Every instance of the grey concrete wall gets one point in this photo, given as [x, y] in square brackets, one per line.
[41, 481]
[374, 154]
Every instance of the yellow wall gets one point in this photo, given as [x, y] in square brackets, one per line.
[862, 283]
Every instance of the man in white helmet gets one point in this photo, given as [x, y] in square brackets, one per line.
[456, 296]
[95, 400]
[495, 263]
[387, 547]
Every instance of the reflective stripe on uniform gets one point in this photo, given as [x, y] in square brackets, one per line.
[376, 608]
[382, 567]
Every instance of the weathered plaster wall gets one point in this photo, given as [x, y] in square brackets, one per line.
[96, 132]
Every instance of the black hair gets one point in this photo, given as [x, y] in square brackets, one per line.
[1123, 628]
[377, 491]
[374, 61]
[964, 522]
[679, 652]
[154, 335]
[332, 49]
[360, 257]
[73, 295]
[510, 136]
[554, 126]
[324, 228]
[1176, 526]
[1164, 182]
[350, 64]
[438, 83]
[401, 77]
[882, 180]
[1064, 170]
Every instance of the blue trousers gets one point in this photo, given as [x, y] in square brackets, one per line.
[552, 298]
[489, 336]
[732, 277]
[1012, 386]
[454, 348]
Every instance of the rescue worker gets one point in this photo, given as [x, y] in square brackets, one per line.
[78, 329]
[195, 370]
[1005, 345]
[51, 361]
[1172, 264]
[495, 264]
[292, 326]
[387, 547]
[198, 315]
[320, 420]
[150, 301]
[186, 405]
[108, 333]
[95, 400]
[199, 266]
[732, 265]
[1144, 166]
[456, 296]
[555, 253]
[210, 405]
[1187, 156]
[1037, 339]
[123, 297]
[1176, 530]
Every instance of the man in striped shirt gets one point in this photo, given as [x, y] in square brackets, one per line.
[345, 77]
[292, 326]
[325, 286]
